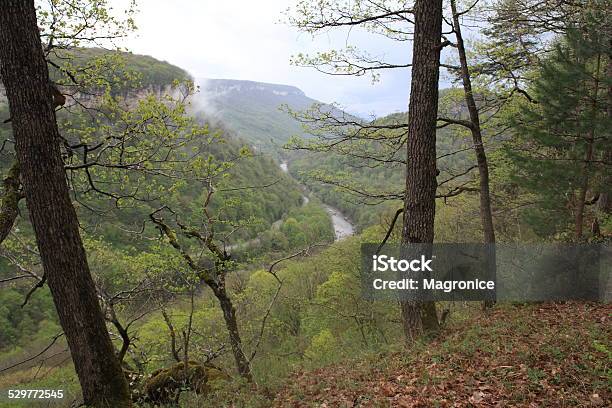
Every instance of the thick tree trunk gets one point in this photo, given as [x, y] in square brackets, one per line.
[229, 314]
[421, 184]
[26, 79]
[486, 215]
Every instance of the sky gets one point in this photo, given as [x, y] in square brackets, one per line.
[249, 40]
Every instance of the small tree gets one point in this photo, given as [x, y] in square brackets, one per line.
[214, 262]
[560, 153]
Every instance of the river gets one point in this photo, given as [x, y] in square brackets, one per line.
[342, 226]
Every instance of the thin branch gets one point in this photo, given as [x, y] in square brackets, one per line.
[390, 230]
[460, 122]
[39, 284]
[262, 328]
[57, 336]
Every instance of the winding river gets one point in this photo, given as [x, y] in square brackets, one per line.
[342, 226]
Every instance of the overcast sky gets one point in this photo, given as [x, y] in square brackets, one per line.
[245, 39]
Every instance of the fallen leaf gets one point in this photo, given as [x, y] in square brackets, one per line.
[477, 397]
[596, 399]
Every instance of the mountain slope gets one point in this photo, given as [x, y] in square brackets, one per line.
[263, 206]
[335, 178]
[525, 356]
[252, 109]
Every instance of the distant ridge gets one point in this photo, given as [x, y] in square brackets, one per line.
[234, 85]
[252, 109]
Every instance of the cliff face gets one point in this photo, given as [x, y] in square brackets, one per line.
[127, 98]
[226, 87]
[155, 77]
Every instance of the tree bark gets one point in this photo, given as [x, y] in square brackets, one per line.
[584, 186]
[486, 215]
[421, 184]
[26, 79]
[229, 314]
[604, 204]
[588, 157]
[173, 348]
[10, 201]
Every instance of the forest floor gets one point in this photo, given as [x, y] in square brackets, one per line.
[545, 355]
[538, 355]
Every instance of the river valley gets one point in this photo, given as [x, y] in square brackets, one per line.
[342, 226]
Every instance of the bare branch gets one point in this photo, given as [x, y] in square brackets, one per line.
[389, 230]
[43, 351]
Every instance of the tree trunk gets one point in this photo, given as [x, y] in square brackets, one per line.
[604, 204]
[421, 184]
[26, 79]
[584, 187]
[588, 157]
[486, 215]
[229, 314]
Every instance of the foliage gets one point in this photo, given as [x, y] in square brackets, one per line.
[137, 147]
[561, 141]
[20, 325]
[125, 71]
[358, 166]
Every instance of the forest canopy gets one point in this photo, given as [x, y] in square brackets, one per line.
[173, 240]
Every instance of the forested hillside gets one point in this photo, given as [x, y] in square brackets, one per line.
[171, 241]
[113, 201]
[365, 178]
[141, 77]
[254, 110]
